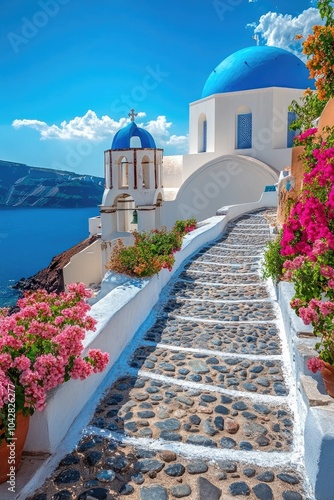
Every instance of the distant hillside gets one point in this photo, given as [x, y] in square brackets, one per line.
[25, 186]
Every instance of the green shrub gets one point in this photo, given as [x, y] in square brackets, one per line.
[273, 260]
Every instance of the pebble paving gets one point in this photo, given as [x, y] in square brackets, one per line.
[202, 410]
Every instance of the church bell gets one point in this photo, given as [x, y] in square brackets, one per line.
[134, 217]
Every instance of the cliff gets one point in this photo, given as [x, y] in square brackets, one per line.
[51, 278]
[25, 186]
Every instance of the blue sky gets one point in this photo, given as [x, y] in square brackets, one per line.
[72, 69]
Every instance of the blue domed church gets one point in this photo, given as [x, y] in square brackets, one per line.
[239, 141]
[239, 137]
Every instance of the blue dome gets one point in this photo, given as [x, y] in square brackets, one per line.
[123, 137]
[258, 68]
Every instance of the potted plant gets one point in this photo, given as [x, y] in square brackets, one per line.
[41, 347]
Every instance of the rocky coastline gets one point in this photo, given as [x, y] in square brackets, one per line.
[51, 278]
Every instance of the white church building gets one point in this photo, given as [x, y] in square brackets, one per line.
[239, 141]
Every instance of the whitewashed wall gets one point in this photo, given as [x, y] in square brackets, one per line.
[223, 181]
[85, 266]
[270, 111]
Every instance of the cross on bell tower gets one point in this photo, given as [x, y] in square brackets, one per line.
[132, 115]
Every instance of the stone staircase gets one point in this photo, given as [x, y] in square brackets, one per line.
[204, 405]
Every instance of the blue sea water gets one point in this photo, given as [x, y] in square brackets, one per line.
[30, 237]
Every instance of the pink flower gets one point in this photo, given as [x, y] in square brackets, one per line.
[99, 359]
[314, 364]
[307, 133]
[308, 315]
[326, 308]
[41, 345]
[5, 361]
[22, 363]
[295, 303]
[81, 369]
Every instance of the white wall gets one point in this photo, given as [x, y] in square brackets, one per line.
[172, 171]
[224, 181]
[206, 106]
[94, 224]
[269, 135]
[141, 195]
[85, 266]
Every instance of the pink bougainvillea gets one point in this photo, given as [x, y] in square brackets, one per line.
[41, 346]
[307, 243]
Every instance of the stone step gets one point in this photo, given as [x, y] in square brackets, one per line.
[154, 409]
[259, 376]
[212, 277]
[231, 261]
[220, 311]
[206, 292]
[101, 468]
[242, 338]
[222, 268]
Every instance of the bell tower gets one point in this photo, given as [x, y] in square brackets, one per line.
[133, 182]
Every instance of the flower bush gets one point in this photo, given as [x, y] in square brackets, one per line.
[306, 244]
[319, 50]
[41, 347]
[151, 252]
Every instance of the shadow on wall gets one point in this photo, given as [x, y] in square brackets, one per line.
[227, 180]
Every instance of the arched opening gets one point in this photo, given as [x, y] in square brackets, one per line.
[123, 175]
[244, 125]
[135, 142]
[145, 165]
[125, 208]
[202, 133]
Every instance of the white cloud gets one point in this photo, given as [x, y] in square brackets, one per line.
[180, 141]
[280, 30]
[88, 127]
[159, 128]
[93, 128]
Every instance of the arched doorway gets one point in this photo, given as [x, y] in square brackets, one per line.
[125, 208]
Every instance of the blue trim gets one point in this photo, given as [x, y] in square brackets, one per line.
[269, 189]
[244, 131]
[205, 133]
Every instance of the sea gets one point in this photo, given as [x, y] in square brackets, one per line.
[31, 237]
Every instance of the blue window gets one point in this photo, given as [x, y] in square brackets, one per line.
[291, 133]
[244, 131]
[205, 134]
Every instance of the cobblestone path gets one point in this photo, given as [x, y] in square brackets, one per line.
[205, 407]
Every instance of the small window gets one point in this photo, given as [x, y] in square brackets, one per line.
[244, 131]
[291, 133]
[205, 130]
[202, 133]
